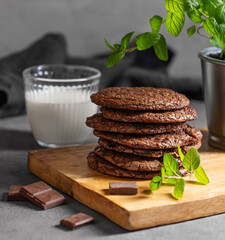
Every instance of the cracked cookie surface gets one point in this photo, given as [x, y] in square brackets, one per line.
[102, 166]
[175, 116]
[98, 122]
[140, 98]
[156, 153]
[189, 136]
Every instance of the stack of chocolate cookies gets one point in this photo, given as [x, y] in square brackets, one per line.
[136, 127]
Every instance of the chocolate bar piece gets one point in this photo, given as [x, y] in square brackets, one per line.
[76, 220]
[14, 193]
[42, 195]
[123, 188]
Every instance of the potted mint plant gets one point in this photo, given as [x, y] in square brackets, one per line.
[208, 17]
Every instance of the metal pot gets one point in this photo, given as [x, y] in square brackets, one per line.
[213, 72]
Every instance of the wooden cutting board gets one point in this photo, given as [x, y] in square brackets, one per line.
[67, 170]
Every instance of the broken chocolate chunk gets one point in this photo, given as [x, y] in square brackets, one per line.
[123, 188]
[14, 193]
[42, 195]
[76, 220]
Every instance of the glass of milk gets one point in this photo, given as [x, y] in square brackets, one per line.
[58, 102]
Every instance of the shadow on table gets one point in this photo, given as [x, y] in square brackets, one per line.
[16, 140]
[102, 225]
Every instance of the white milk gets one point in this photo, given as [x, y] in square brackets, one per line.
[58, 117]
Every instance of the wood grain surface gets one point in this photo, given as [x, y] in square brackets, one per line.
[67, 170]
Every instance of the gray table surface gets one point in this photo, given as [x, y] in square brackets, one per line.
[23, 220]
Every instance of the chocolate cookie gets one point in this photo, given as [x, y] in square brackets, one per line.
[128, 161]
[181, 115]
[140, 98]
[190, 136]
[100, 123]
[157, 153]
[100, 165]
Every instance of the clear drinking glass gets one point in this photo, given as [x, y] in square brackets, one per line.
[58, 102]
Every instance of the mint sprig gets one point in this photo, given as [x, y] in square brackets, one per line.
[119, 50]
[170, 171]
[205, 14]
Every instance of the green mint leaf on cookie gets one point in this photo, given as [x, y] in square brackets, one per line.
[146, 40]
[191, 30]
[160, 48]
[180, 153]
[155, 183]
[174, 22]
[170, 174]
[201, 175]
[170, 164]
[179, 188]
[191, 160]
[114, 58]
[155, 23]
[126, 40]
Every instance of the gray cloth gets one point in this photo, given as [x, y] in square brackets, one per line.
[50, 49]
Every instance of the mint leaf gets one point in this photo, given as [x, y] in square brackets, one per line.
[117, 46]
[146, 40]
[201, 175]
[163, 173]
[210, 25]
[195, 16]
[220, 34]
[179, 188]
[180, 153]
[178, 6]
[210, 6]
[215, 42]
[194, 3]
[220, 14]
[191, 30]
[109, 46]
[160, 48]
[155, 183]
[155, 23]
[191, 159]
[126, 40]
[114, 58]
[170, 164]
[174, 23]
[171, 180]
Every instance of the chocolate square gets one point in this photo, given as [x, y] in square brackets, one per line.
[123, 188]
[14, 193]
[76, 220]
[42, 195]
[50, 199]
[37, 188]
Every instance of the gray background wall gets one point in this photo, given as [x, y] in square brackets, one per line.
[87, 22]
